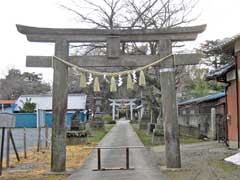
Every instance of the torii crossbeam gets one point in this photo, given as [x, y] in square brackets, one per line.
[62, 38]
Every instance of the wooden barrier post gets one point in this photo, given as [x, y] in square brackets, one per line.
[24, 143]
[2, 147]
[46, 136]
[8, 148]
[39, 130]
[39, 139]
[14, 146]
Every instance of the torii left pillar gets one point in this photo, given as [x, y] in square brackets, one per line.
[171, 128]
[60, 94]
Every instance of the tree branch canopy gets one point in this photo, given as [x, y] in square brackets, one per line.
[16, 83]
[134, 14]
[119, 14]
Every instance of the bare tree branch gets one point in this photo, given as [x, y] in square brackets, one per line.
[85, 18]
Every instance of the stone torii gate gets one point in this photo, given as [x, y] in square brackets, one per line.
[119, 102]
[62, 38]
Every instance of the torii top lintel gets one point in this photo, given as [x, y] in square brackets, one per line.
[112, 39]
[36, 34]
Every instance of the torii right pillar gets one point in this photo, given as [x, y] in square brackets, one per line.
[171, 128]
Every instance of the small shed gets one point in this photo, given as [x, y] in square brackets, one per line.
[203, 104]
[194, 116]
[43, 114]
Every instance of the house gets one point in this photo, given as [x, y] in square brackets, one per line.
[44, 101]
[43, 115]
[229, 74]
[7, 105]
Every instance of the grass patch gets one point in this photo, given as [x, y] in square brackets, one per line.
[189, 140]
[98, 134]
[221, 164]
[147, 139]
[37, 163]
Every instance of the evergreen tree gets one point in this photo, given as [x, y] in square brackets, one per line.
[16, 83]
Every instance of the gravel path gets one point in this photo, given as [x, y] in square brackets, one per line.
[201, 161]
[121, 135]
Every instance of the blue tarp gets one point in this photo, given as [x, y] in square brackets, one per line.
[29, 120]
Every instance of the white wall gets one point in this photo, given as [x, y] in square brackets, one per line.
[75, 101]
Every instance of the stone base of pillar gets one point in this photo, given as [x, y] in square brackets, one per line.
[143, 125]
[159, 126]
[96, 123]
[151, 127]
[158, 137]
[76, 137]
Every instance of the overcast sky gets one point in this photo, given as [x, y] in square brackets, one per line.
[221, 17]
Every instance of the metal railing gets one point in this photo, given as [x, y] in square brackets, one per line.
[127, 148]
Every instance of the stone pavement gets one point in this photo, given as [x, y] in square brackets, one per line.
[121, 135]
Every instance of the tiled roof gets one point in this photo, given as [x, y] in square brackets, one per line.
[220, 71]
[7, 101]
[202, 99]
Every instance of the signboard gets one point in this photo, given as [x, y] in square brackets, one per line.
[7, 120]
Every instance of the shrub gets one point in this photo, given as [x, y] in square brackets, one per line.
[111, 122]
[157, 132]
[108, 119]
[28, 106]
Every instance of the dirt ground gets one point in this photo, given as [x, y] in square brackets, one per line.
[37, 164]
[200, 161]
